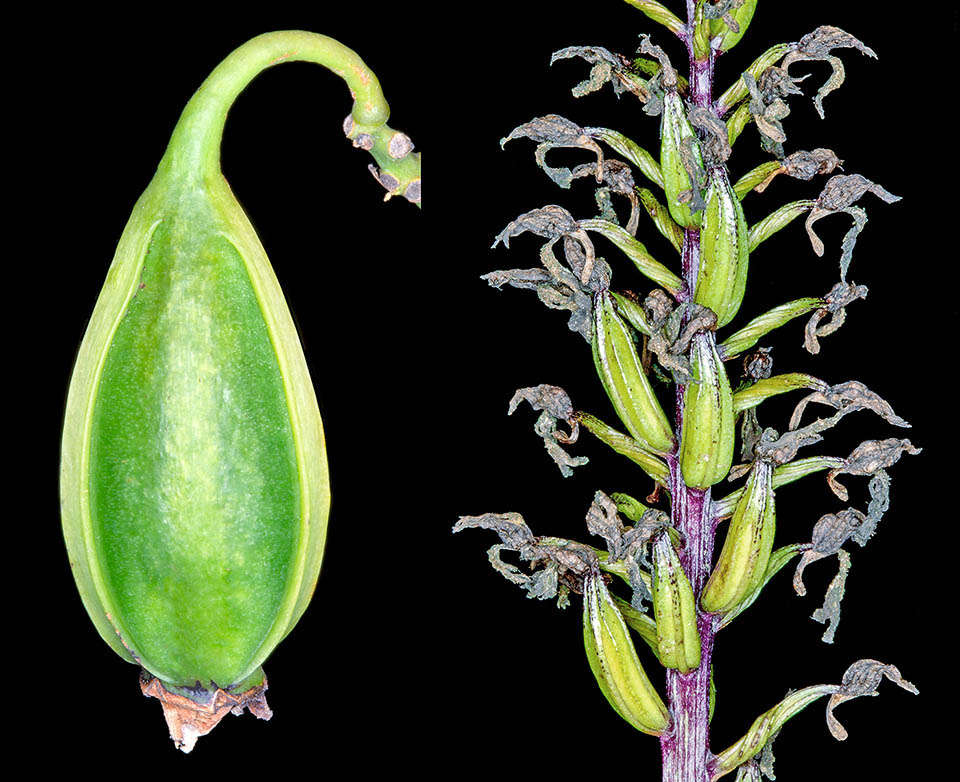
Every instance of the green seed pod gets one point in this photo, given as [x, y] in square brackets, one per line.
[674, 609]
[623, 377]
[676, 134]
[742, 563]
[742, 17]
[724, 250]
[614, 662]
[194, 485]
[708, 435]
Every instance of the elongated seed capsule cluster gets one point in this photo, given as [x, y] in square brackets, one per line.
[742, 563]
[614, 662]
[674, 609]
[707, 226]
[618, 365]
[724, 249]
[707, 436]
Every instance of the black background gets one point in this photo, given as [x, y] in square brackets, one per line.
[414, 655]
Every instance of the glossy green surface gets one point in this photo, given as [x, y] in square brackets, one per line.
[194, 487]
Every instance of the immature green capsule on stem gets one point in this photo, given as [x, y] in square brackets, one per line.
[742, 563]
[674, 609]
[677, 138]
[627, 385]
[707, 437]
[194, 487]
[614, 662]
[724, 250]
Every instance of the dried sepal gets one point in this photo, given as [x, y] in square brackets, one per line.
[818, 45]
[768, 107]
[829, 535]
[627, 554]
[557, 558]
[847, 398]
[555, 405]
[552, 293]
[879, 490]
[669, 329]
[672, 342]
[618, 178]
[739, 91]
[781, 449]
[804, 165]
[839, 195]
[869, 458]
[668, 74]
[554, 222]
[551, 132]
[714, 139]
[607, 67]
[829, 613]
[862, 678]
[835, 305]
[558, 287]
[758, 365]
[188, 720]
[548, 222]
[604, 521]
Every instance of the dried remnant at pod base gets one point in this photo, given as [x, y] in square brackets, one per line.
[194, 485]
